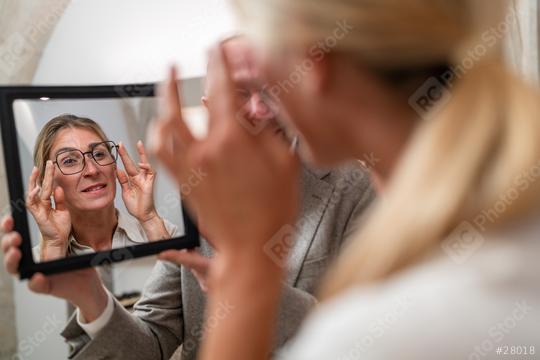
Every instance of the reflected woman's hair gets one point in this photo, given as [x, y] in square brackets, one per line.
[47, 135]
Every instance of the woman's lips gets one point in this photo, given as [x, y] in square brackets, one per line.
[95, 189]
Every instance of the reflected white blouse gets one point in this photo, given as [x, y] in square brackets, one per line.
[128, 232]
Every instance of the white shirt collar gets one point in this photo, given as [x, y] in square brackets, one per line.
[128, 232]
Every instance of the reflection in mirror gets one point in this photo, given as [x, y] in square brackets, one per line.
[91, 185]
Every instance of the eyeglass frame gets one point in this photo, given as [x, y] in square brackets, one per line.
[84, 155]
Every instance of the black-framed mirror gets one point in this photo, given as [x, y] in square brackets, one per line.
[88, 134]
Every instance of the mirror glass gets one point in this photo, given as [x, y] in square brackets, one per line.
[100, 192]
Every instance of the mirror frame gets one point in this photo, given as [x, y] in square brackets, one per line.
[27, 266]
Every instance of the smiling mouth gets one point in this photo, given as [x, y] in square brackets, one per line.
[94, 188]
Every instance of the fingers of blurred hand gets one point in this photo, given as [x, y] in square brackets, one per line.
[6, 225]
[171, 108]
[221, 91]
[129, 165]
[188, 258]
[9, 240]
[168, 93]
[40, 284]
[47, 185]
[163, 146]
[12, 258]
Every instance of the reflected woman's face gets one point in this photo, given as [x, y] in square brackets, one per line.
[93, 188]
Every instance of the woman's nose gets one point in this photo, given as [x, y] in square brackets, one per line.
[259, 109]
[91, 167]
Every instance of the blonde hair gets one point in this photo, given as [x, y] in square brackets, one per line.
[47, 135]
[463, 156]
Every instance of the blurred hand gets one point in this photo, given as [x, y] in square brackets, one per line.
[54, 223]
[137, 184]
[83, 288]
[251, 189]
[191, 259]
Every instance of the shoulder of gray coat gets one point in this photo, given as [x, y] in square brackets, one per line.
[350, 177]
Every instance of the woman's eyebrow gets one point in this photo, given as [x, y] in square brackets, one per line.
[93, 145]
[64, 149]
[90, 146]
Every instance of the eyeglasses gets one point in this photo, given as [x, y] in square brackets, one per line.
[73, 161]
[264, 94]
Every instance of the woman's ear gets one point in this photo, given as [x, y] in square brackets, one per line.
[204, 101]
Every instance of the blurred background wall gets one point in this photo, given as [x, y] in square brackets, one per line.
[523, 40]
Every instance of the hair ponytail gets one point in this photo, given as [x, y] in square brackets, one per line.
[462, 159]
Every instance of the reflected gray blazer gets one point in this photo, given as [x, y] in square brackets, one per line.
[171, 310]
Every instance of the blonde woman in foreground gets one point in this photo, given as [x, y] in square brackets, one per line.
[446, 267]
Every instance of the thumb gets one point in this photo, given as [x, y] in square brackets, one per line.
[40, 284]
[188, 258]
[59, 199]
